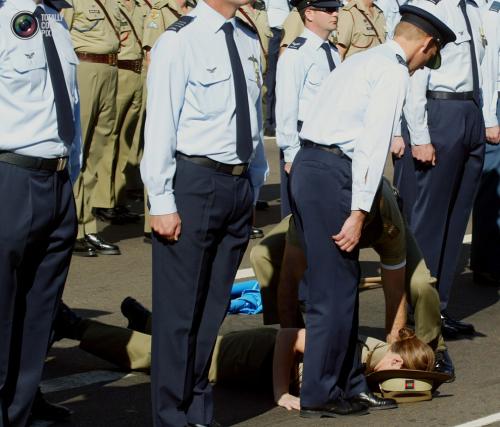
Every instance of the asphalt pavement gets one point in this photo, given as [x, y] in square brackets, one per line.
[103, 396]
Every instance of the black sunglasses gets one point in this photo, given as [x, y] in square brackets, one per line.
[326, 9]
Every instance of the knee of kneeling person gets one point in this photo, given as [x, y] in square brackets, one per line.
[422, 286]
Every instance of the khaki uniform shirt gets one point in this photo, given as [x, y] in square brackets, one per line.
[293, 28]
[163, 14]
[90, 29]
[257, 19]
[357, 29]
[131, 45]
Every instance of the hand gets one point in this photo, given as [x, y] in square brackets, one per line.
[349, 235]
[289, 402]
[493, 135]
[287, 167]
[424, 153]
[398, 146]
[167, 226]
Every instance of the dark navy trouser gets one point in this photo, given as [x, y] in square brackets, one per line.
[486, 215]
[37, 234]
[445, 192]
[321, 185]
[192, 281]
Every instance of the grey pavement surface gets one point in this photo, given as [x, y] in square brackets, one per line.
[101, 395]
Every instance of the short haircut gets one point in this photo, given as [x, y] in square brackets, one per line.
[409, 31]
[302, 13]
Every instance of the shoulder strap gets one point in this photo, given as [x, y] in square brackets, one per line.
[109, 19]
[247, 16]
[148, 4]
[371, 23]
[137, 38]
[176, 14]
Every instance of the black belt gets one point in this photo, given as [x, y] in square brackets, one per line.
[330, 148]
[236, 170]
[37, 163]
[457, 96]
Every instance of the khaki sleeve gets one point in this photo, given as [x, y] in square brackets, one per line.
[153, 28]
[292, 28]
[345, 28]
[68, 14]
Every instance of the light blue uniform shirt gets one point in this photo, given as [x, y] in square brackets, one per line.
[277, 11]
[357, 108]
[490, 67]
[455, 73]
[27, 108]
[191, 102]
[301, 70]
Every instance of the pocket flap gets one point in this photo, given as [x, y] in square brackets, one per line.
[211, 75]
[25, 61]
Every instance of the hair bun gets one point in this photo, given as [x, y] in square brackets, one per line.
[406, 334]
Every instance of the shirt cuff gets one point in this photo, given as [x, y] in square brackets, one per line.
[420, 138]
[290, 153]
[490, 121]
[362, 201]
[163, 204]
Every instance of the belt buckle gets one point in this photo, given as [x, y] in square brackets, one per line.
[112, 60]
[61, 163]
[238, 170]
[138, 66]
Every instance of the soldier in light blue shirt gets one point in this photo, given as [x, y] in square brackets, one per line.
[486, 218]
[445, 151]
[301, 69]
[203, 166]
[334, 181]
[39, 105]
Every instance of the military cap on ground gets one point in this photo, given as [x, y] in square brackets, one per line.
[406, 385]
[328, 4]
[432, 25]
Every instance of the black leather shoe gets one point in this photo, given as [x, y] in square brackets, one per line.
[486, 279]
[212, 424]
[107, 215]
[101, 246]
[256, 233]
[136, 314]
[67, 324]
[448, 331]
[444, 364]
[337, 407]
[125, 215]
[461, 327]
[82, 248]
[373, 402]
[42, 410]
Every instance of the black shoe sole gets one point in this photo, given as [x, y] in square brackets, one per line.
[305, 413]
[382, 408]
[85, 254]
[108, 251]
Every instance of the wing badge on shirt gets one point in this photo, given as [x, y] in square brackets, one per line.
[211, 70]
[484, 40]
[256, 68]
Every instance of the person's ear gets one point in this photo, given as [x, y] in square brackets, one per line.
[428, 44]
[396, 362]
[308, 13]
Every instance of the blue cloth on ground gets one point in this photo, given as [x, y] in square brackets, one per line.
[246, 298]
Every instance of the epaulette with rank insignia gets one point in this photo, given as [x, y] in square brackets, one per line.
[297, 43]
[401, 60]
[181, 23]
[495, 6]
[245, 24]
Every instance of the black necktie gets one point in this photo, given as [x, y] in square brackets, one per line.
[329, 57]
[475, 72]
[244, 142]
[64, 113]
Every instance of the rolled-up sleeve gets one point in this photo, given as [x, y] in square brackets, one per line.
[371, 146]
[167, 80]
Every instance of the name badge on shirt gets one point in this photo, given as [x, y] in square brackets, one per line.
[94, 12]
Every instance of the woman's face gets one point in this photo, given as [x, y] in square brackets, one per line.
[389, 361]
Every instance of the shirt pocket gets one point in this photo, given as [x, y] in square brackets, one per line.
[29, 68]
[213, 89]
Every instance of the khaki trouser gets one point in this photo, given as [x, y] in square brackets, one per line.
[94, 186]
[238, 356]
[128, 110]
[266, 259]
